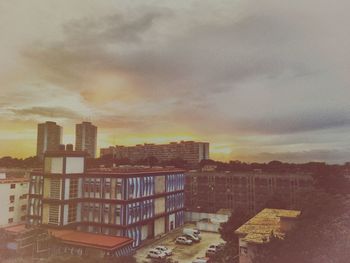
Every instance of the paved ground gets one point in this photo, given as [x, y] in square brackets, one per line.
[181, 253]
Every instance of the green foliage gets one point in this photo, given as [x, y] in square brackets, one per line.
[227, 229]
[322, 234]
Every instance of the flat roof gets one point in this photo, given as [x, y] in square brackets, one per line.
[259, 228]
[91, 240]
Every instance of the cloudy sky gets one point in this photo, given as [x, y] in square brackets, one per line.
[260, 80]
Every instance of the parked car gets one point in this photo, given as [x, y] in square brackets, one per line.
[202, 260]
[193, 237]
[211, 252]
[165, 250]
[191, 231]
[154, 253]
[183, 240]
[217, 247]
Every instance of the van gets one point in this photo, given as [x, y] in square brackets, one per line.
[191, 231]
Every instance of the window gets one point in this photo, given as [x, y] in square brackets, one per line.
[11, 209]
[24, 207]
[10, 220]
[12, 198]
[243, 250]
[73, 188]
[13, 186]
[23, 218]
[72, 213]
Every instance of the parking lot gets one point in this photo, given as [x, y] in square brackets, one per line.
[181, 253]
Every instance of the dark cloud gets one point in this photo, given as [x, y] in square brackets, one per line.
[50, 112]
[272, 68]
[322, 155]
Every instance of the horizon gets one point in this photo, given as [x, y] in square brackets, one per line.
[259, 81]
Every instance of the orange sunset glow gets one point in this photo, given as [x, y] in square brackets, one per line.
[223, 72]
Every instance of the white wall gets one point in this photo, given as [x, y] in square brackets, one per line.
[5, 192]
[74, 165]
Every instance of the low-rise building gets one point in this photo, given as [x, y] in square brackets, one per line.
[259, 230]
[138, 203]
[13, 197]
[251, 191]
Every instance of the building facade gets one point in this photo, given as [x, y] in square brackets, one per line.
[135, 203]
[49, 138]
[13, 197]
[211, 191]
[190, 151]
[86, 138]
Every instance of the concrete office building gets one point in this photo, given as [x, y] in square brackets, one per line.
[190, 151]
[49, 138]
[211, 191]
[13, 197]
[86, 138]
[137, 203]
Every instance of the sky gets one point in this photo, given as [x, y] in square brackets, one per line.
[260, 80]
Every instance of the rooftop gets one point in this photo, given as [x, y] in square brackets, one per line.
[90, 240]
[259, 228]
[16, 229]
[13, 180]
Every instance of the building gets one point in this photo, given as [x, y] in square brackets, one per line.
[13, 197]
[252, 191]
[49, 138]
[138, 203]
[86, 138]
[190, 151]
[20, 240]
[88, 244]
[259, 229]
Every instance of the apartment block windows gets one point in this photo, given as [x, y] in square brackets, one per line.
[10, 220]
[12, 198]
[13, 186]
[11, 209]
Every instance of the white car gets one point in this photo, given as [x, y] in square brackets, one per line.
[183, 240]
[217, 247]
[165, 250]
[154, 253]
[193, 237]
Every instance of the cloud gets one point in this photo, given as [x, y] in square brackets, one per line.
[229, 69]
[50, 112]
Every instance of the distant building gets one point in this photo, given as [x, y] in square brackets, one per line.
[210, 191]
[13, 199]
[49, 138]
[259, 230]
[86, 138]
[190, 151]
[138, 203]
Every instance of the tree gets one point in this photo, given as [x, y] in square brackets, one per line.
[322, 233]
[227, 232]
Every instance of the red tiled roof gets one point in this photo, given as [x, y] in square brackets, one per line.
[90, 240]
[16, 228]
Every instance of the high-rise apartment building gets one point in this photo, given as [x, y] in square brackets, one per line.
[251, 191]
[86, 138]
[13, 198]
[190, 151]
[49, 138]
[138, 203]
